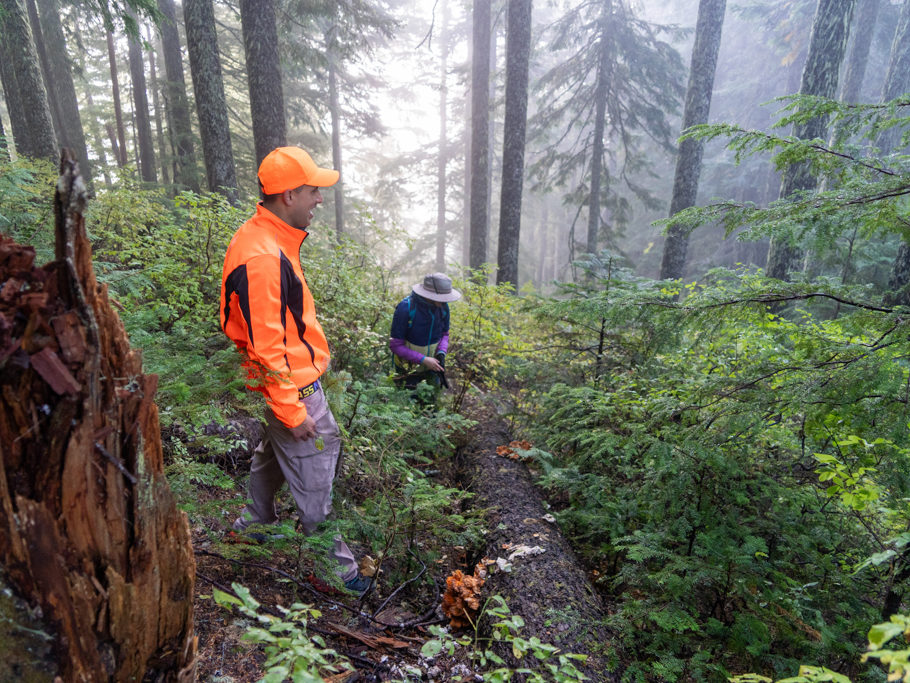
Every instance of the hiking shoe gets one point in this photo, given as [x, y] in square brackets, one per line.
[240, 526]
[360, 584]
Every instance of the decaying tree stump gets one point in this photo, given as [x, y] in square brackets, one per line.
[90, 536]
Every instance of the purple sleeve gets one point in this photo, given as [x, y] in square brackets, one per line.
[400, 349]
[443, 346]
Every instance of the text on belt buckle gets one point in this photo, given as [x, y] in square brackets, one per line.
[308, 390]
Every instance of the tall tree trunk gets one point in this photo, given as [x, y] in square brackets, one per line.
[827, 45]
[90, 535]
[60, 68]
[20, 50]
[335, 113]
[466, 207]
[21, 137]
[163, 153]
[480, 134]
[94, 130]
[858, 56]
[120, 147]
[4, 148]
[263, 68]
[698, 104]
[177, 104]
[211, 107]
[604, 76]
[442, 158]
[897, 78]
[518, 51]
[38, 37]
[141, 112]
[897, 82]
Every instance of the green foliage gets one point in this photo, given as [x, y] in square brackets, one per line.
[291, 652]
[491, 331]
[504, 628]
[26, 204]
[864, 197]
[728, 470]
[392, 447]
[161, 259]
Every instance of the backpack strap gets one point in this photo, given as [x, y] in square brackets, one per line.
[412, 311]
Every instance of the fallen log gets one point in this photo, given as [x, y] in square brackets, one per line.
[542, 582]
[91, 539]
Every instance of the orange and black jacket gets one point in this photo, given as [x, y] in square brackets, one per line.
[268, 312]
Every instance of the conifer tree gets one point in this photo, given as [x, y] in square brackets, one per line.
[141, 110]
[615, 80]
[827, 45]
[60, 72]
[698, 104]
[211, 107]
[19, 50]
[858, 57]
[518, 49]
[177, 104]
[263, 67]
[480, 133]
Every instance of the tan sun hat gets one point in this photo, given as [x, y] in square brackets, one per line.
[437, 287]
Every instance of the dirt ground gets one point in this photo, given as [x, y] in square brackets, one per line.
[382, 635]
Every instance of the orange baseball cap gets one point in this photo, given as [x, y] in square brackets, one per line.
[287, 168]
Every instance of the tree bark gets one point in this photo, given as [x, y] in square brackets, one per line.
[443, 157]
[601, 90]
[551, 578]
[897, 78]
[708, 31]
[20, 50]
[897, 82]
[38, 37]
[480, 135]
[335, 113]
[518, 51]
[211, 107]
[21, 136]
[827, 44]
[89, 531]
[141, 112]
[4, 147]
[177, 104]
[163, 153]
[260, 41]
[60, 70]
[858, 56]
[120, 146]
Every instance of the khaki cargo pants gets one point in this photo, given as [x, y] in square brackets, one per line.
[308, 471]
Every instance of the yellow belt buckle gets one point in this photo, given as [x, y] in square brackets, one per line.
[308, 390]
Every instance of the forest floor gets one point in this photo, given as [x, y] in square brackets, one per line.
[382, 634]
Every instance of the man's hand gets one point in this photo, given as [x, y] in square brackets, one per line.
[305, 431]
[431, 364]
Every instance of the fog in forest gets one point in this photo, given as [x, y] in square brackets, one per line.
[401, 71]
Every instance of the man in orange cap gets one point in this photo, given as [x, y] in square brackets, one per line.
[268, 312]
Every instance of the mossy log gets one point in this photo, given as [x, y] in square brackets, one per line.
[91, 539]
[544, 583]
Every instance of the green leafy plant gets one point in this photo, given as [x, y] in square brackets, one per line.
[291, 652]
[505, 629]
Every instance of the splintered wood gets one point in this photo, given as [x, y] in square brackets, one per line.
[89, 530]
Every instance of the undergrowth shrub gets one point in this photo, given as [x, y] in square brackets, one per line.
[729, 472]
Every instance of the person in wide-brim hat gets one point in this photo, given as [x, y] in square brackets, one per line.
[419, 338]
[437, 287]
